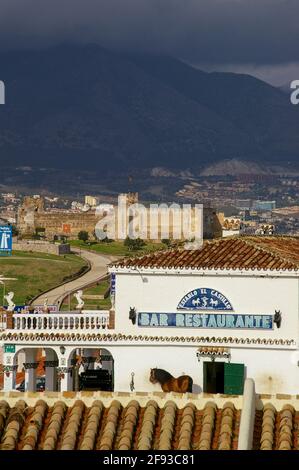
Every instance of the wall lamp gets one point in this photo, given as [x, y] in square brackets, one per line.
[144, 279]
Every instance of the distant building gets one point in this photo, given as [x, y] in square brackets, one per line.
[264, 205]
[230, 225]
[243, 204]
[9, 197]
[265, 230]
[92, 201]
[105, 209]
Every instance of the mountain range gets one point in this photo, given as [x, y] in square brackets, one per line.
[78, 107]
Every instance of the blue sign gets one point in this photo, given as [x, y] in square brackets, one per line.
[5, 238]
[205, 320]
[112, 284]
[35, 308]
[19, 308]
[204, 299]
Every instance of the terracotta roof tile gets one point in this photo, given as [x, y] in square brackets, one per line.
[59, 427]
[146, 433]
[277, 429]
[186, 427]
[16, 418]
[273, 253]
[167, 426]
[91, 427]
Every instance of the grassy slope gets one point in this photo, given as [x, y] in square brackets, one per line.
[36, 273]
[114, 248]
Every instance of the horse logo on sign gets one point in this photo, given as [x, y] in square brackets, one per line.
[204, 299]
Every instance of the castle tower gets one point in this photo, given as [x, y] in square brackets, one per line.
[26, 219]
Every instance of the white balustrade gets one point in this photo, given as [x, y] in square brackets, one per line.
[61, 321]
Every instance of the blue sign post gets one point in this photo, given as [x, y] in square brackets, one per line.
[112, 284]
[112, 290]
[5, 240]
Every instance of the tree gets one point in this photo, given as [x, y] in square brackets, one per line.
[166, 242]
[139, 243]
[134, 244]
[106, 240]
[83, 236]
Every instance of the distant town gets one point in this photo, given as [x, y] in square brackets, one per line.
[246, 204]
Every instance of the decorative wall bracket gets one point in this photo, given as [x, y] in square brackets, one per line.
[30, 365]
[277, 318]
[64, 370]
[133, 315]
[10, 368]
[132, 384]
[51, 364]
[61, 371]
[213, 353]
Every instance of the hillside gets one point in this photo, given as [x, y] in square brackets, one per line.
[83, 106]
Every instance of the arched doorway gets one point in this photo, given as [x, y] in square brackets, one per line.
[93, 369]
[36, 370]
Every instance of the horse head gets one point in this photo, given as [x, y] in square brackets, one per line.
[132, 315]
[152, 377]
[277, 318]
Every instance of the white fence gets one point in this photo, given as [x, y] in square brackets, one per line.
[61, 321]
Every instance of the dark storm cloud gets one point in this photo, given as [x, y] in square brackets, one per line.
[199, 31]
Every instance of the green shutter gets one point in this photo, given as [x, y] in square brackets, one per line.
[233, 378]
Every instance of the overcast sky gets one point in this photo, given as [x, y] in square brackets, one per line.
[260, 37]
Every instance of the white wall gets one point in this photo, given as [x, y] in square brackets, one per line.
[274, 368]
[274, 371]
[248, 295]
[140, 359]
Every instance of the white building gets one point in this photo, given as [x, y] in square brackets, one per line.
[219, 314]
[92, 201]
[231, 226]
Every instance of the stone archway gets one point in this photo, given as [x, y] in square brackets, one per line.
[50, 366]
[36, 369]
[93, 368]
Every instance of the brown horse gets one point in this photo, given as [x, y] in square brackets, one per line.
[168, 383]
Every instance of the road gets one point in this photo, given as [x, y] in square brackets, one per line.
[98, 269]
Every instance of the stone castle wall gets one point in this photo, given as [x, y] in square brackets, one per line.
[66, 224]
[32, 216]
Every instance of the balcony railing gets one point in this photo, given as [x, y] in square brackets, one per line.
[61, 321]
